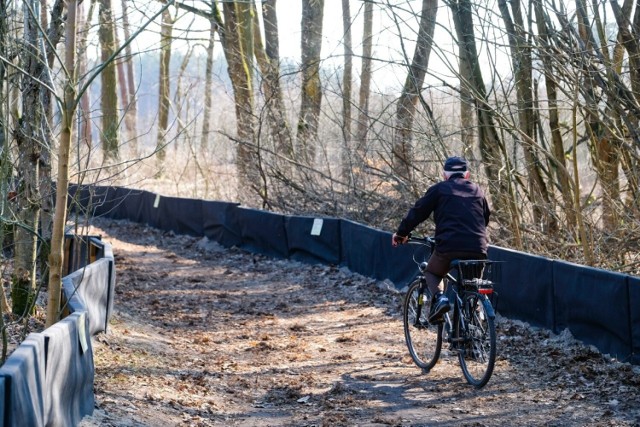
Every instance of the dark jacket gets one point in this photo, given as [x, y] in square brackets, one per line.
[460, 211]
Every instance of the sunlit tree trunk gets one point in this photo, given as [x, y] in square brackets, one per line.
[122, 86]
[29, 142]
[131, 113]
[164, 84]
[182, 113]
[268, 58]
[108, 92]
[84, 118]
[240, 72]
[54, 35]
[347, 77]
[365, 81]
[311, 93]
[208, 83]
[66, 135]
[406, 109]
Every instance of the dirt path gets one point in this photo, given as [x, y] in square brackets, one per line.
[204, 336]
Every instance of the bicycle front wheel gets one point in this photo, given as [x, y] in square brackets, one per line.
[477, 356]
[424, 340]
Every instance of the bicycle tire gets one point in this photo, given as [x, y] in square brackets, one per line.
[423, 339]
[477, 356]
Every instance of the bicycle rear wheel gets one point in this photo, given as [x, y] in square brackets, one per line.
[478, 353]
[424, 340]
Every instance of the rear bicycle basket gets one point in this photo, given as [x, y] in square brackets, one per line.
[479, 275]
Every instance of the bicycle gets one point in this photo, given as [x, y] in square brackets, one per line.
[468, 327]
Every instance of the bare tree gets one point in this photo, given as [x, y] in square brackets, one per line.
[84, 118]
[164, 86]
[311, 93]
[6, 165]
[238, 47]
[347, 77]
[281, 129]
[29, 142]
[109, 96]
[365, 79]
[131, 113]
[208, 86]
[66, 135]
[406, 109]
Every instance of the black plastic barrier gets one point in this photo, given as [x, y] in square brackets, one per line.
[91, 289]
[48, 379]
[69, 371]
[368, 251]
[599, 307]
[525, 289]
[262, 232]
[24, 377]
[182, 216]
[220, 223]
[313, 240]
[593, 305]
[122, 209]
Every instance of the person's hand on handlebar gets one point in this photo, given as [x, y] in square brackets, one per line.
[398, 240]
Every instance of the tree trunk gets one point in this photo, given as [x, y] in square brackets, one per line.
[280, 128]
[208, 84]
[240, 72]
[311, 94]
[66, 136]
[85, 134]
[347, 77]
[402, 148]
[365, 81]
[122, 85]
[109, 95]
[182, 116]
[131, 113]
[268, 58]
[29, 142]
[54, 34]
[164, 85]
[6, 166]
[629, 34]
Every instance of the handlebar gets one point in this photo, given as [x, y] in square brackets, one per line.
[422, 240]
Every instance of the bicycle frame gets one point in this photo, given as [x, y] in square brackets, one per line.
[468, 327]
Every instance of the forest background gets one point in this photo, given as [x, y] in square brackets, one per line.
[321, 107]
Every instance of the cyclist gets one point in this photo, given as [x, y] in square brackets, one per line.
[461, 215]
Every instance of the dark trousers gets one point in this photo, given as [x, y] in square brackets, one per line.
[438, 267]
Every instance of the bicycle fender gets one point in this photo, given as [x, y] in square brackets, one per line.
[489, 308]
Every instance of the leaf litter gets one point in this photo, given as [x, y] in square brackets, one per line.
[202, 335]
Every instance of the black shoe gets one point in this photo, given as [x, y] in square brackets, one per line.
[439, 306]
